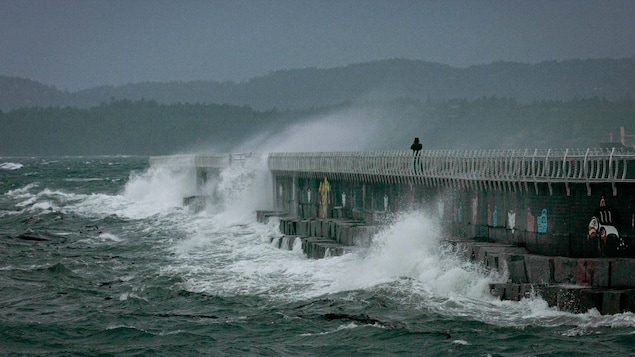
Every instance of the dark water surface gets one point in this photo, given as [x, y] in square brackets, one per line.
[97, 257]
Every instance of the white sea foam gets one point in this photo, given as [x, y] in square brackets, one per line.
[110, 237]
[10, 166]
[29, 201]
[22, 191]
[157, 191]
[160, 188]
[348, 326]
[226, 253]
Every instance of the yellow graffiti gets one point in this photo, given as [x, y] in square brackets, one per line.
[325, 190]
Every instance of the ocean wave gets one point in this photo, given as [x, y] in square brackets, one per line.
[89, 179]
[10, 166]
[22, 191]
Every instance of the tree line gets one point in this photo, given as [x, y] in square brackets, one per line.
[145, 127]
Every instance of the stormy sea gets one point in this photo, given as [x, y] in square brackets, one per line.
[98, 256]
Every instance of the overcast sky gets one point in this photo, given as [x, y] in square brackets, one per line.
[79, 44]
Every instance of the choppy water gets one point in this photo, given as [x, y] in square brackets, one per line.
[97, 257]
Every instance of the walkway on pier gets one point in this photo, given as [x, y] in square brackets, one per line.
[503, 170]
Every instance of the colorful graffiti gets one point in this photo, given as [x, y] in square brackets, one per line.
[542, 221]
[511, 221]
[604, 226]
[324, 190]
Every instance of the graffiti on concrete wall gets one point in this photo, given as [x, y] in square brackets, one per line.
[604, 226]
[542, 221]
[324, 190]
[511, 221]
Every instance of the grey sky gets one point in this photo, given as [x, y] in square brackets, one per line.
[80, 44]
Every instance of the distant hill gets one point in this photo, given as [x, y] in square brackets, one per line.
[612, 79]
[19, 92]
[143, 127]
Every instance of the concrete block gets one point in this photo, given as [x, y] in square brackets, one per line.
[286, 242]
[491, 261]
[276, 242]
[516, 268]
[345, 234]
[525, 291]
[520, 291]
[497, 290]
[549, 293]
[622, 273]
[516, 292]
[303, 227]
[265, 216]
[628, 300]
[362, 235]
[585, 271]
[565, 270]
[602, 274]
[333, 226]
[569, 300]
[579, 299]
[509, 292]
[539, 269]
[496, 256]
[589, 299]
[291, 227]
[319, 230]
[312, 248]
[338, 212]
[479, 253]
[611, 302]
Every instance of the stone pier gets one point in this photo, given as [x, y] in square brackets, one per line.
[561, 221]
[571, 284]
[323, 237]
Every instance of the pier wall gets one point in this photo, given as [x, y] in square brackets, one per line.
[544, 203]
[527, 213]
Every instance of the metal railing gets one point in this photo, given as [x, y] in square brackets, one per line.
[492, 169]
[217, 161]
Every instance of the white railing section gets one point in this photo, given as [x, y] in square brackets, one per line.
[217, 161]
[490, 169]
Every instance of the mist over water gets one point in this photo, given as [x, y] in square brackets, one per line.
[140, 269]
[354, 129]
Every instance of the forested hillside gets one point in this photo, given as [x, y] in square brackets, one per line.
[149, 128]
[382, 80]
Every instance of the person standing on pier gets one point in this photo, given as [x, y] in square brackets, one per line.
[416, 147]
[416, 152]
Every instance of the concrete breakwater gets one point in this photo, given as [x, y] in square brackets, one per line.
[322, 237]
[560, 222]
[571, 284]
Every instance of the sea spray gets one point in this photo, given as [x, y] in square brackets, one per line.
[239, 190]
[411, 247]
[160, 188]
[159, 279]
